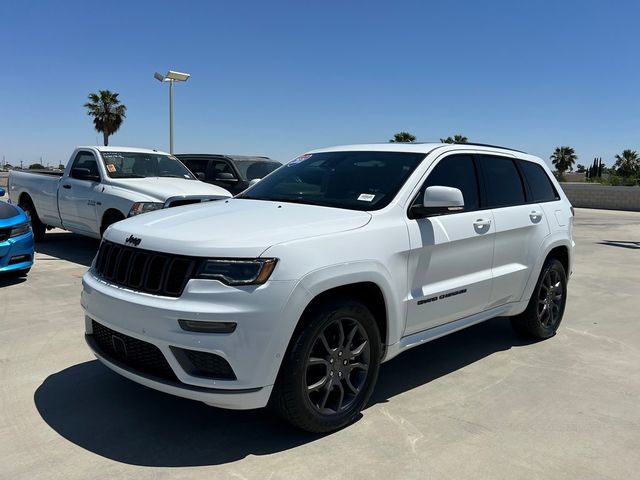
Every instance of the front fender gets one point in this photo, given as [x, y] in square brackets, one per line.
[334, 276]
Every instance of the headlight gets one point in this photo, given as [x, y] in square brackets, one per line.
[238, 271]
[20, 230]
[144, 207]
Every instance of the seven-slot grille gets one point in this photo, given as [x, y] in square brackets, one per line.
[143, 270]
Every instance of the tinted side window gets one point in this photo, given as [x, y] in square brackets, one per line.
[541, 188]
[502, 182]
[220, 166]
[197, 166]
[86, 160]
[459, 172]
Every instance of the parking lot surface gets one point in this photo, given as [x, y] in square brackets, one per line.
[481, 403]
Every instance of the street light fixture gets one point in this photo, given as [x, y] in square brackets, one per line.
[171, 77]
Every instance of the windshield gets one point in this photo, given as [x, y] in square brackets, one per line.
[141, 165]
[251, 169]
[352, 180]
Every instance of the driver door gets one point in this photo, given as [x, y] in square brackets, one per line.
[77, 197]
[451, 254]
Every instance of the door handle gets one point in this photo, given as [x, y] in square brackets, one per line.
[66, 186]
[481, 226]
[535, 216]
[481, 223]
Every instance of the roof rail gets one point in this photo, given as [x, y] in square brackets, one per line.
[487, 145]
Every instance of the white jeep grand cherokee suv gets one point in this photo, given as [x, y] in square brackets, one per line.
[296, 290]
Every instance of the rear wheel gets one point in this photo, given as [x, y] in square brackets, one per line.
[546, 307]
[330, 371]
[38, 228]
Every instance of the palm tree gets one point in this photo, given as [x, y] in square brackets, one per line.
[107, 112]
[403, 137]
[628, 164]
[455, 139]
[563, 159]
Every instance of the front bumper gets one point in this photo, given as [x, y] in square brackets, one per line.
[254, 350]
[16, 253]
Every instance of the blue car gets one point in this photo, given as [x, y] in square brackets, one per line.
[16, 240]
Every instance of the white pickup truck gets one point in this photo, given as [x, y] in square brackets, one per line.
[103, 185]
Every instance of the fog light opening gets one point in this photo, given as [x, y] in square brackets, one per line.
[19, 259]
[207, 327]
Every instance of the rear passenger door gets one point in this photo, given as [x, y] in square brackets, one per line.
[520, 227]
[451, 255]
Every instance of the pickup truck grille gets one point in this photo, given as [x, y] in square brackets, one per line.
[143, 270]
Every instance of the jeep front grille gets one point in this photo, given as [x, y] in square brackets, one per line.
[143, 270]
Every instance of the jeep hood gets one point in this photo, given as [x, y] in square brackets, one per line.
[233, 228]
[159, 189]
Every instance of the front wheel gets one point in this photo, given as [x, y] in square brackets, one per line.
[109, 219]
[544, 312]
[331, 369]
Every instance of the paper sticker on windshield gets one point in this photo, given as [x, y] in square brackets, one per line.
[366, 197]
[299, 159]
[111, 168]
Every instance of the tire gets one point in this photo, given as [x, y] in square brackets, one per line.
[38, 228]
[544, 312]
[108, 220]
[331, 367]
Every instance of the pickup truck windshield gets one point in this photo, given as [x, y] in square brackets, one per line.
[142, 165]
[351, 180]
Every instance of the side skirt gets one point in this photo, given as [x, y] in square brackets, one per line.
[425, 336]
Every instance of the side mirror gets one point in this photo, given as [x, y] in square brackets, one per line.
[225, 177]
[2, 192]
[200, 176]
[439, 200]
[84, 174]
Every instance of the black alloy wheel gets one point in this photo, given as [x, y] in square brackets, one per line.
[546, 306]
[331, 366]
[550, 299]
[337, 365]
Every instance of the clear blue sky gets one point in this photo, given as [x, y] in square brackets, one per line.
[278, 78]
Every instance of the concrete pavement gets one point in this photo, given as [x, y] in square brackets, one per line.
[481, 403]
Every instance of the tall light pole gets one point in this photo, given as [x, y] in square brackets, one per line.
[171, 77]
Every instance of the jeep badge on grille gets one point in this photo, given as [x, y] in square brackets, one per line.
[135, 241]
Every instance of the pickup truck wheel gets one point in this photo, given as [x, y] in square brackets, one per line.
[544, 312]
[329, 373]
[38, 228]
[109, 219]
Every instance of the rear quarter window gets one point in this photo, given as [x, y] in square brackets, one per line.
[540, 187]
